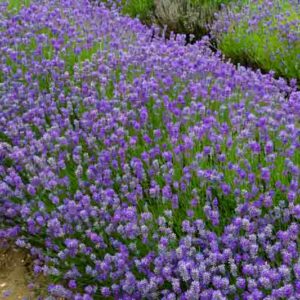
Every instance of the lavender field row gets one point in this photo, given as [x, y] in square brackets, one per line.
[134, 167]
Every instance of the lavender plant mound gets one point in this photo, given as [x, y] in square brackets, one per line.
[134, 168]
[264, 34]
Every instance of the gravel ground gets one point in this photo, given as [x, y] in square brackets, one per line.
[14, 275]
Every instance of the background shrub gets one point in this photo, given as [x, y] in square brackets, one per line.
[263, 34]
[180, 16]
[187, 16]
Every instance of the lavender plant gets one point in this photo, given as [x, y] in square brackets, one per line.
[138, 168]
[190, 17]
[187, 16]
[264, 34]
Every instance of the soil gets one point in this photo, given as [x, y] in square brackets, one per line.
[15, 275]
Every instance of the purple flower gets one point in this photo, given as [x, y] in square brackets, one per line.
[265, 174]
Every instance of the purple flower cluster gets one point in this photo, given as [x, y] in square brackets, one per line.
[137, 168]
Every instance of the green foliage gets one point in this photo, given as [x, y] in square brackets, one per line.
[16, 5]
[180, 16]
[187, 16]
[265, 45]
[140, 8]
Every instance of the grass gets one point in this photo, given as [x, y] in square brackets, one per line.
[16, 5]
[140, 8]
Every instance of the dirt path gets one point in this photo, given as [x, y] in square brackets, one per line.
[14, 276]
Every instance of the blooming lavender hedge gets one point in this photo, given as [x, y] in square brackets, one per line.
[138, 168]
[263, 33]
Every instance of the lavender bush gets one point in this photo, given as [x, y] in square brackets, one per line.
[187, 16]
[263, 33]
[191, 17]
[138, 168]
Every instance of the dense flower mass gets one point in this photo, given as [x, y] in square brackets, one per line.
[263, 33]
[138, 168]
